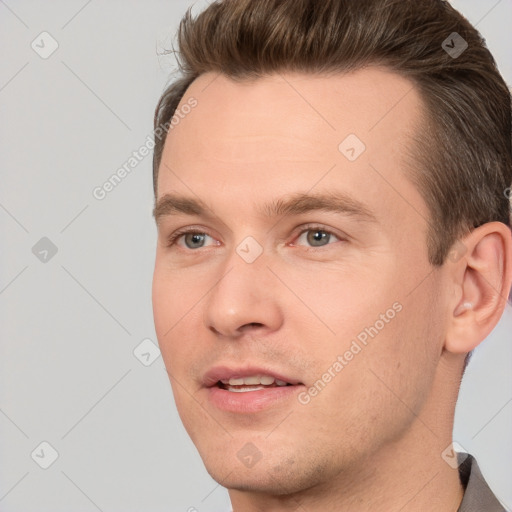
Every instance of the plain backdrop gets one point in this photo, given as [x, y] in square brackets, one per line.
[75, 271]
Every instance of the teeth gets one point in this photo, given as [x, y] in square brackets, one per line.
[245, 389]
[253, 380]
[236, 382]
[249, 381]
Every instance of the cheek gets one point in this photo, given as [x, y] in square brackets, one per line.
[173, 308]
[386, 341]
[365, 399]
[175, 295]
[398, 365]
[345, 304]
[162, 299]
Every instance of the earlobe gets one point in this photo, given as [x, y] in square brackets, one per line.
[482, 280]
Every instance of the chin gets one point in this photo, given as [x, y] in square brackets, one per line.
[278, 473]
[257, 481]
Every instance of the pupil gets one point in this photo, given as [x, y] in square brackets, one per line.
[318, 236]
[196, 238]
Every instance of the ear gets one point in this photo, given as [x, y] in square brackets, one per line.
[481, 280]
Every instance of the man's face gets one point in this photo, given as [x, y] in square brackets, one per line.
[339, 303]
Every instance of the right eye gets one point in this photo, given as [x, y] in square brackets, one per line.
[192, 238]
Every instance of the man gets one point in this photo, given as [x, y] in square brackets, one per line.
[331, 183]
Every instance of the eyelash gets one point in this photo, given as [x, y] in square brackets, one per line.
[172, 240]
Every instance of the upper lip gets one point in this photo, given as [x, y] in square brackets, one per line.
[218, 373]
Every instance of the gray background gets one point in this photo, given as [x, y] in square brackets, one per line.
[69, 325]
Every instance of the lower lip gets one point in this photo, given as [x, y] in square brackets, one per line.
[251, 401]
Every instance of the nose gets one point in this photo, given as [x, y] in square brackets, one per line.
[243, 299]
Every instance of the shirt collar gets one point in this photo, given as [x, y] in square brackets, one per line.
[478, 495]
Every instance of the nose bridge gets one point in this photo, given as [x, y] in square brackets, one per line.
[243, 294]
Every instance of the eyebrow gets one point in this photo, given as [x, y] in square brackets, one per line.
[295, 204]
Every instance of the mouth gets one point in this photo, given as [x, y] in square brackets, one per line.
[238, 379]
[251, 383]
[249, 390]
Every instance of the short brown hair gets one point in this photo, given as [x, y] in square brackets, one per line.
[463, 155]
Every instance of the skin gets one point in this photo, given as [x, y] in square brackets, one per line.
[372, 439]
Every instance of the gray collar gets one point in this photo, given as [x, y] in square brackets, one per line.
[478, 496]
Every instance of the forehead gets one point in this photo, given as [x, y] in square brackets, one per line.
[294, 132]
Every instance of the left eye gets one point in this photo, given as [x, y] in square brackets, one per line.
[317, 237]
